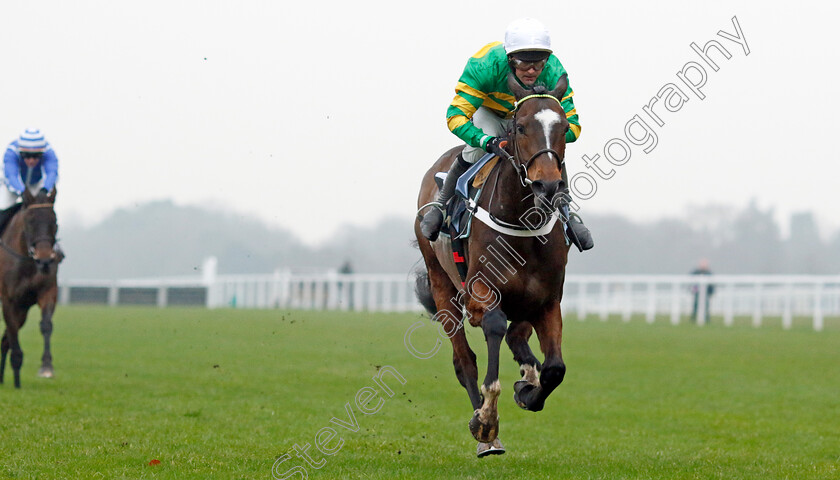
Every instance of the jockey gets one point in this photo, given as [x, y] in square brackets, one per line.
[483, 107]
[29, 162]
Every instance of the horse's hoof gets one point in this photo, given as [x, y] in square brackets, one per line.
[522, 391]
[494, 448]
[484, 431]
[46, 372]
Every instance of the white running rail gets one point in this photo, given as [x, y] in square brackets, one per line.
[664, 297]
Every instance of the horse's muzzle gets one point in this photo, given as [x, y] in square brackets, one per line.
[549, 196]
[44, 264]
[43, 260]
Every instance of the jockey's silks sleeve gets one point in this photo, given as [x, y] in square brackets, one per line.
[50, 165]
[11, 170]
[484, 84]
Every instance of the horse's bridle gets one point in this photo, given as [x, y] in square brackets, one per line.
[522, 168]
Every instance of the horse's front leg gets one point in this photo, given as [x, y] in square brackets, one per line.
[485, 422]
[14, 319]
[4, 351]
[517, 337]
[47, 304]
[531, 394]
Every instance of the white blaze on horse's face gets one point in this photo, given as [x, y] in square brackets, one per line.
[548, 119]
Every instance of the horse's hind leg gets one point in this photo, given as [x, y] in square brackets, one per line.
[449, 315]
[463, 358]
[549, 330]
[529, 367]
[47, 304]
[4, 350]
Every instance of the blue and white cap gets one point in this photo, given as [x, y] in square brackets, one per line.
[32, 140]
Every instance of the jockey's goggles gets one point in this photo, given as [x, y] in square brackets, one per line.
[31, 154]
[526, 65]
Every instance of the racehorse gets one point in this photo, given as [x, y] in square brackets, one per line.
[28, 271]
[528, 179]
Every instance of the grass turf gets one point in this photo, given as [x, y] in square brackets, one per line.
[224, 393]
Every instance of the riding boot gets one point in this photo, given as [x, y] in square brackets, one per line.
[578, 233]
[59, 252]
[433, 219]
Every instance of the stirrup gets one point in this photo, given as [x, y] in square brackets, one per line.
[434, 204]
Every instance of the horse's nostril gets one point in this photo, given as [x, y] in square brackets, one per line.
[539, 188]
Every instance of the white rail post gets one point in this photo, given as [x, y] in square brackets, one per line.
[64, 295]
[371, 299]
[605, 312]
[113, 294]
[675, 303]
[702, 295]
[333, 299]
[650, 314]
[818, 311]
[285, 289]
[387, 301]
[759, 297]
[319, 296]
[787, 313]
[358, 294]
[402, 296]
[728, 305]
[209, 273]
[581, 306]
[628, 302]
[344, 294]
[161, 296]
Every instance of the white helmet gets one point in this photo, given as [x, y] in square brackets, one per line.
[527, 34]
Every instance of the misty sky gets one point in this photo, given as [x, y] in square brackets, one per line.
[292, 111]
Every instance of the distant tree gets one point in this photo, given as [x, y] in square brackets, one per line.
[805, 250]
[161, 238]
[756, 245]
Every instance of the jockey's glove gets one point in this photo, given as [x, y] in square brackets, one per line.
[492, 145]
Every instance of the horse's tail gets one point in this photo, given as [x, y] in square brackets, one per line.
[423, 290]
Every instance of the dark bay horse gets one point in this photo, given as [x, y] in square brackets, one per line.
[513, 274]
[28, 271]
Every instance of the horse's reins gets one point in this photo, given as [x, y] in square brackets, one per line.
[15, 254]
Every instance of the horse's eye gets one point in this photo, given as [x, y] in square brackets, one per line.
[520, 129]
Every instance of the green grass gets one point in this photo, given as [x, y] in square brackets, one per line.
[223, 393]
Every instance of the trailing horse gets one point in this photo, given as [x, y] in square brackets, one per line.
[515, 265]
[28, 272]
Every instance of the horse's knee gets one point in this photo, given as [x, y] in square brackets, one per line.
[494, 324]
[17, 359]
[46, 327]
[552, 375]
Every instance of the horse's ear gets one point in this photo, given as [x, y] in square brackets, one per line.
[560, 89]
[28, 198]
[513, 84]
[52, 195]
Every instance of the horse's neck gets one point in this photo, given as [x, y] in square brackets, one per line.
[508, 199]
[13, 233]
